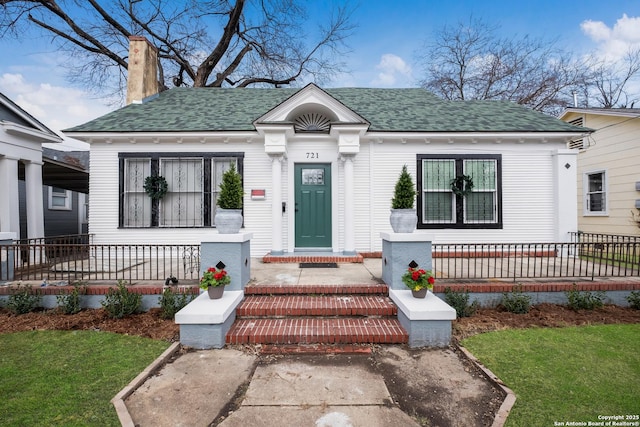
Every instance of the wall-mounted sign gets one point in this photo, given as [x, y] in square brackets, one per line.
[258, 194]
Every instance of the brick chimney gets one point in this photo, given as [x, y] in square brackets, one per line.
[142, 80]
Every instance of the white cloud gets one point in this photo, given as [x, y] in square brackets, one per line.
[57, 107]
[614, 42]
[393, 71]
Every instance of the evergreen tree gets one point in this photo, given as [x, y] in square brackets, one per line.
[405, 191]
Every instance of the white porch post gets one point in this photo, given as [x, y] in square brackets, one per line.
[35, 210]
[275, 146]
[9, 205]
[348, 148]
[349, 211]
[566, 194]
[276, 205]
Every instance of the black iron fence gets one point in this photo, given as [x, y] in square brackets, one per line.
[81, 260]
[583, 260]
[73, 262]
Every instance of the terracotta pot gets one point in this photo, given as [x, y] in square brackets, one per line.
[215, 292]
[419, 294]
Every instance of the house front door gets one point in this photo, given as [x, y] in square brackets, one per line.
[313, 206]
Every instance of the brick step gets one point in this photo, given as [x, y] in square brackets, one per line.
[364, 289]
[325, 305]
[345, 330]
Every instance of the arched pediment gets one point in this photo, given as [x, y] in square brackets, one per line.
[311, 109]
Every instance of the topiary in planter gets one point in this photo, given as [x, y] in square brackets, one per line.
[231, 192]
[403, 217]
[228, 218]
[405, 192]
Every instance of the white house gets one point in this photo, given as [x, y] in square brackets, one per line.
[319, 165]
[608, 169]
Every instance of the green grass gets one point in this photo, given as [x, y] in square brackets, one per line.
[565, 374]
[61, 378]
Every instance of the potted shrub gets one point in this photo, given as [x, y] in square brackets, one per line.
[228, 218]
[403, 215]
[213, 281]
[419, 281]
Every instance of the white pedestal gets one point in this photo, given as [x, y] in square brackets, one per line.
[428, 320]
[204, 322]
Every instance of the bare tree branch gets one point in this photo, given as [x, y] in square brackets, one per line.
[200, 42]
[611, 79]
[470, 62]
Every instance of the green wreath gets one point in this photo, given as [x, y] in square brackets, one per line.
[155, 186]
[462, 185]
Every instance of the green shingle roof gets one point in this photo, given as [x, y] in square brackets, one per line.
[411, 110]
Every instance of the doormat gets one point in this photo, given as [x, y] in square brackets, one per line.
[318, 265]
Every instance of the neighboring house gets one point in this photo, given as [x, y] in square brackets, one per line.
[319, 165]
[65, 199]
[37, 191]
[608, 179]
[21, 138]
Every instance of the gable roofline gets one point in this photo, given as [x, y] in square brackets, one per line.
[310, 95]
[617, 112]
[39, 130]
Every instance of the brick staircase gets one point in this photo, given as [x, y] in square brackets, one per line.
[316, 314]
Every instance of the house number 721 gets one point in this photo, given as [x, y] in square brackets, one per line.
[313, 156]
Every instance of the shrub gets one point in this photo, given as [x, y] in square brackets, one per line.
[517, 301]
[120, 302]
[404, 193]
[23, 299]
[460, 301]
[231, 192]
[171, 302]
[634, 299]
[584, 300]
[69, 303]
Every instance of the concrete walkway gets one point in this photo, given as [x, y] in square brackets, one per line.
[238, 387]
[393, 386]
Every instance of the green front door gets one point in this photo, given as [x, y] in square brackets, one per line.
[313, 206]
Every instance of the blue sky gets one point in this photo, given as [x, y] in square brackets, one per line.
[384, 46]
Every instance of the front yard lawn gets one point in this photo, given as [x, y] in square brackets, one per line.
[62, 378]
[573, 374]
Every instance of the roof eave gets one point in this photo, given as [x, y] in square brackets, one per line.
[30, 133]
[158, 137]
[476, 136]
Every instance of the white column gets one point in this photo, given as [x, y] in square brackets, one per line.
[276, 204]
[35, 210]
[566, 194]
[349, 211]
[9, 196]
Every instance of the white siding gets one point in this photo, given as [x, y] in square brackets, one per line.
[104, 201]
[527, 189]
[527, 197]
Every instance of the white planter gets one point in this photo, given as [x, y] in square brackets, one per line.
[228, 221]
[403, 220]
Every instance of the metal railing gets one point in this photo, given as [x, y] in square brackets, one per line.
[55, 262]
[585, 260]
[71, 262]
[582, 237]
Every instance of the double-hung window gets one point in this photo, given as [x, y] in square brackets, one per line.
[59, 199]
[192, 179]
[439, 206]
[595, 189]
